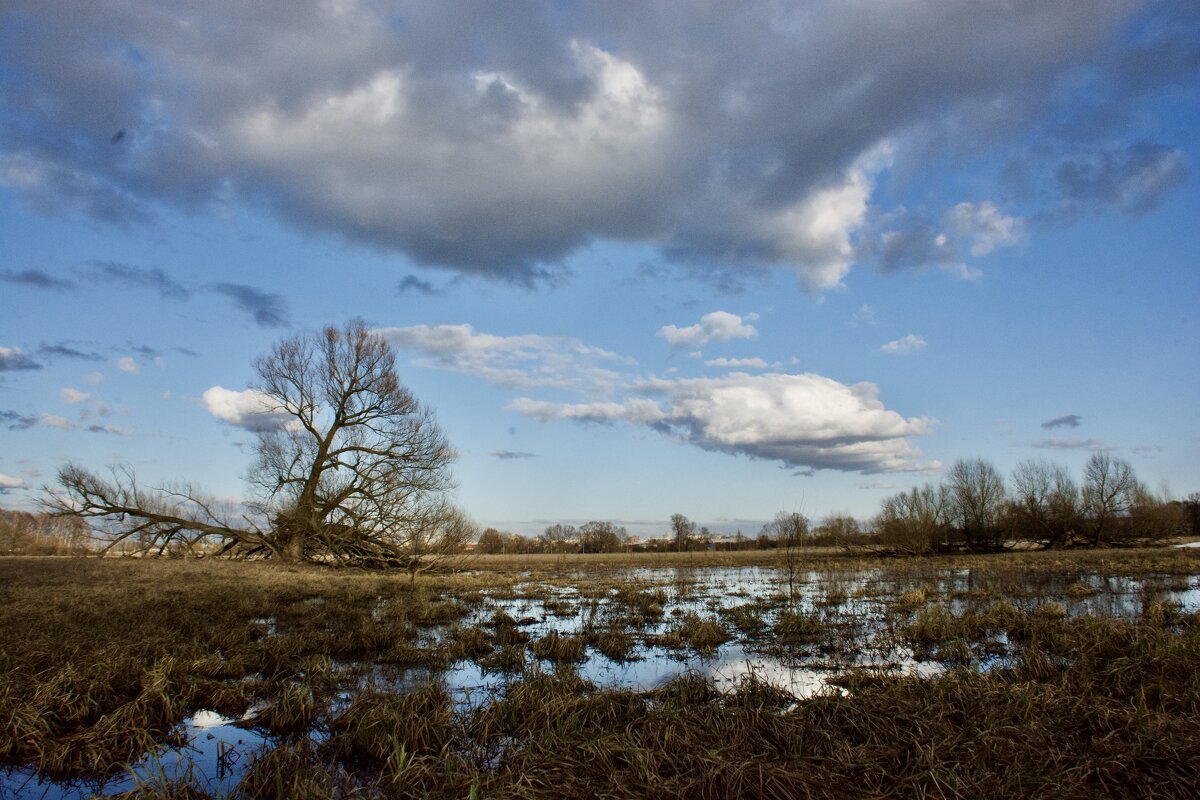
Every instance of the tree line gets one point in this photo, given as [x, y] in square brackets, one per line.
[1040, 505]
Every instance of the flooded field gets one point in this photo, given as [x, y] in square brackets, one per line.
[227, 680]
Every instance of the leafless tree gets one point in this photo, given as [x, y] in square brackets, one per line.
[601, 536]
[684, 531]
[914, 522]
[790, 531]
[560, 538]
[1045, 506]
[1110, 489]
[838, 529]
[976, 492]
[349, 469]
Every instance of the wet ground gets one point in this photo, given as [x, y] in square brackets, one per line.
[639, 628]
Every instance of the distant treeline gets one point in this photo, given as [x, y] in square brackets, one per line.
[974, 509]
[23, 533]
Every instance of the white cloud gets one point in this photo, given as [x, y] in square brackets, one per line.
[802, 420]
[746, 363]
[55, 421]
[73, 396]
[637, 410]
[985, 226]
[905, 344]
[513, 362]
[127, 364]
[94, 378]
[14, 358]
[9, 482]
[249, 409]
[720, 326]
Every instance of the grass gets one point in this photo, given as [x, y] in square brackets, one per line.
[105, 658]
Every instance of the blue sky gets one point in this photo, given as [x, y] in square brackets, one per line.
[656, 260]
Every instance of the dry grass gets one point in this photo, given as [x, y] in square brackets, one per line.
[105, 658]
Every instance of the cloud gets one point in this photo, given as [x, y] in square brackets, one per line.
[73, 396]
[13, 358]
[985, 226]
[905, 344]
[266, 308]
[94, 378]
[1095, 445]
[720, 326]
[55, 421]
[1131, 178]
[15, 421]
[156, 279]
[9, 482]
[511, 455]
[66, 350]
[249, 409]
[919, 239]
[888, 485]
[638, 410]
[512, 362]
[411, 284]
[803, 420]
[113, 429]
[36, 278]
[748, 363]
[496, 142]
[127, 364]
[1065, 421]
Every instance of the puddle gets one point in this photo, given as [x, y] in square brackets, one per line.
[217, 755]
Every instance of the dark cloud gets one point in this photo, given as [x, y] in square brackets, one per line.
[36, 278]
[1065, 421]
[15, 421]
[495, 141]
[1132, 179]
[143, 350]
[267, 309]
[185, 351]
[155, 278]
[411, 284]
[113, 429]
[66, 350]
[510, 455]
[13, 358]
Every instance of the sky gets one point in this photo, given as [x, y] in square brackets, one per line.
[722, 260]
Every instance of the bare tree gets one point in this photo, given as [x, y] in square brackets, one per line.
[560, 538]
[790, 531]
[837, 529]
[914, 522]
[1110, 490]
[684, 530]
[600, 536]
[1045, 506]
[350, 468]
[976, 491]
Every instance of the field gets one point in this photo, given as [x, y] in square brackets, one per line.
[1065, 674]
